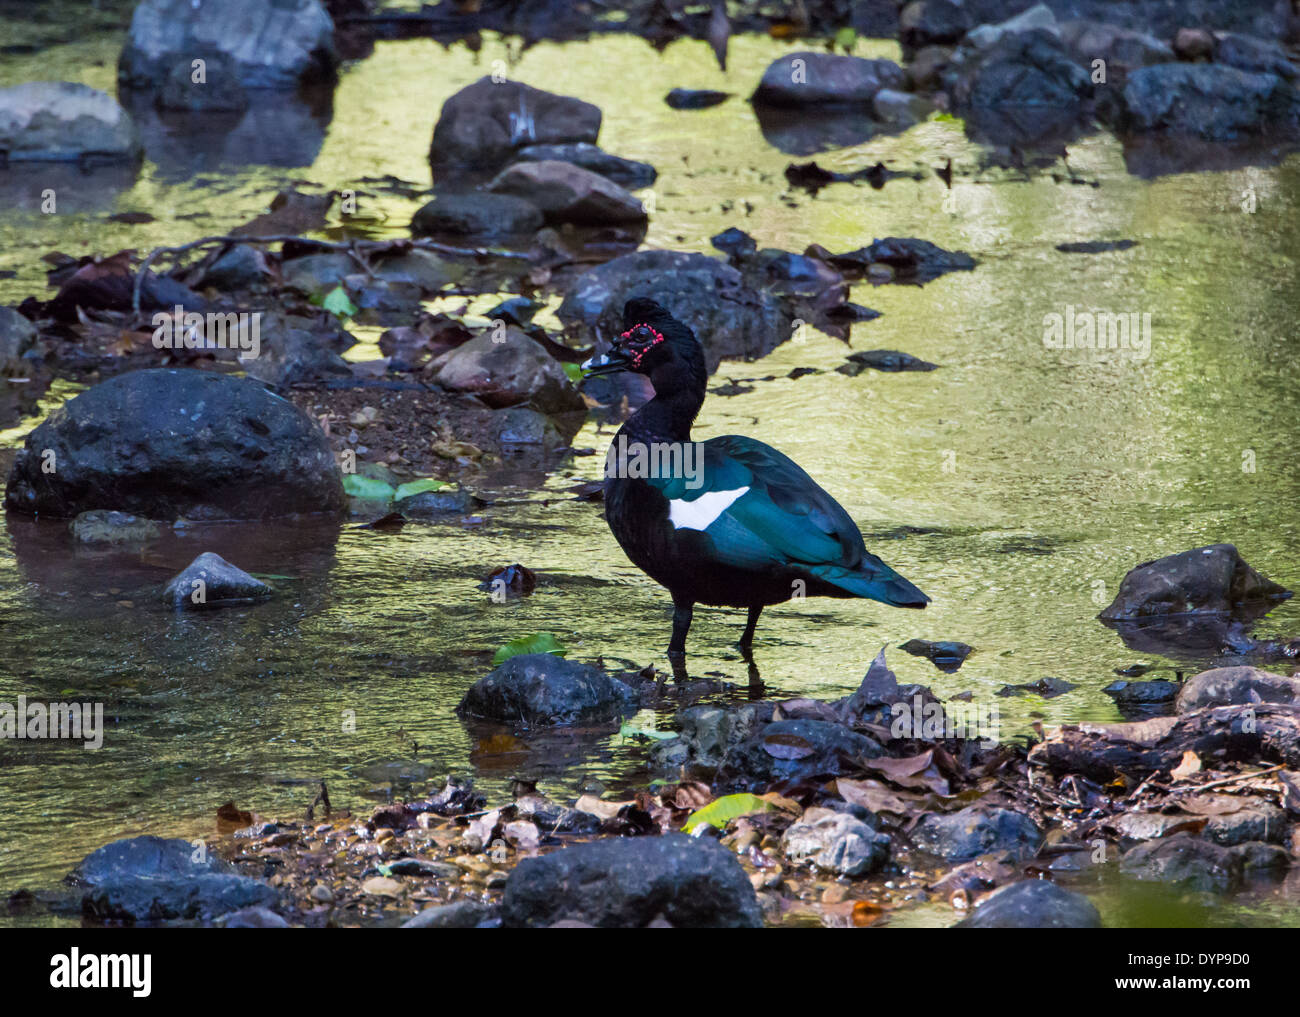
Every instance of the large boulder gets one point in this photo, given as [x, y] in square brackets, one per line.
[149, 879]
[1205, 580]
[1019, 69]
[484, 124]
[61, 121]
[272, 43]
[823, 79]
[505, 367]
[568, 193]
[169, 443]
[1033, 904]
[543, 690]
[630, 882]
[731, 319]
[1208, 101]
[1236, 686]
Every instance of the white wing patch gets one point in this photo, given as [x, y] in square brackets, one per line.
[700, 513]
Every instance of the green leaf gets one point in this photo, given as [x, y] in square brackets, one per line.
[574, 371]
[337, 302]
[943, 117]
[418, 486]
[267, 575]
[846, 38]
[721, 811]
[539, 642]
[366, 487]
[632, 731]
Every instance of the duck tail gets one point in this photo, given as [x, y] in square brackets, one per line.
[875, 583]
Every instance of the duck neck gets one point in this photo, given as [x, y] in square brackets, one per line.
[666, 417]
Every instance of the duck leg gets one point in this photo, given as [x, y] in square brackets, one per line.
[683, 610]
[747, 637]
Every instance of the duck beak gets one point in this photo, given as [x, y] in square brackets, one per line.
[605, 363]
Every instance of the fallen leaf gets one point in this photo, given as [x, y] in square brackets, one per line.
[1191, 764]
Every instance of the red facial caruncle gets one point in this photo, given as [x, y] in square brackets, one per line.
[649, 338]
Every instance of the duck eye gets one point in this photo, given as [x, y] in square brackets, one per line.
[641, 335]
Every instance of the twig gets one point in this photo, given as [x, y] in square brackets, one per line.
[1228, 780]
[353, 248]
[322, 798]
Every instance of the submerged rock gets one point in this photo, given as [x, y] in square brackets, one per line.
[100, 526]
[948, 656]
[543, 690]
[824, 79]
[1184, 860]
[61, 121]
[272, 43]
[695, 98]
[219, 89]
[168, 443]
[891, 361]
[211, 581]
[484, 124]
[566, 193]
[976, 830]
[147, 879]
[437, 504]
[1033, 904]
[836, 842]
[630, 882]
[911, 259]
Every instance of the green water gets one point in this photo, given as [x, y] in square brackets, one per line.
[1036, 477]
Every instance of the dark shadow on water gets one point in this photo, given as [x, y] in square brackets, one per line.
[806, 131]
[24, 186]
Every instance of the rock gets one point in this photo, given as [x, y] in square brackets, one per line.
[298, 349]
[927, 22]
[422, 269]
[925, 72]
[891, 361]
[423, 867]
[316, 274]
[566, 193]
[477, 214]
[836, 842]
[1256, 858]
[730, 318]
[462, 914]
[1038, 16]
[630, 883]
[543, 690]
[1247, 53]
[897, 107]
[947, 656]
[1194, 44]
[1033, 904]
[1208, 101]
[219, 91]
[735, 243]
[1184, 860]
[238, 267]
[911, 259]
[1264, 822]
[824, 79]
[100, 526]
[1019, 70]
[151, 879]
[486, 123]
[252, 918]
[437, 504]
[1232, 686]
[1122, 49]
[1136, 699]
[1213, 579]
[61, 121]
[272, 43]
[171, 442]
[976, 830]
[798, 748]
[520, 426]
[625, 172]
[511, 372]
[211, 581]
[695, 98]
[1049, 688]
[17, 335]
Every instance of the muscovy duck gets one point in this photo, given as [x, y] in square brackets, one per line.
[729, 521]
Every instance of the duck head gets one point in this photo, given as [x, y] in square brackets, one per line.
[653, 343]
